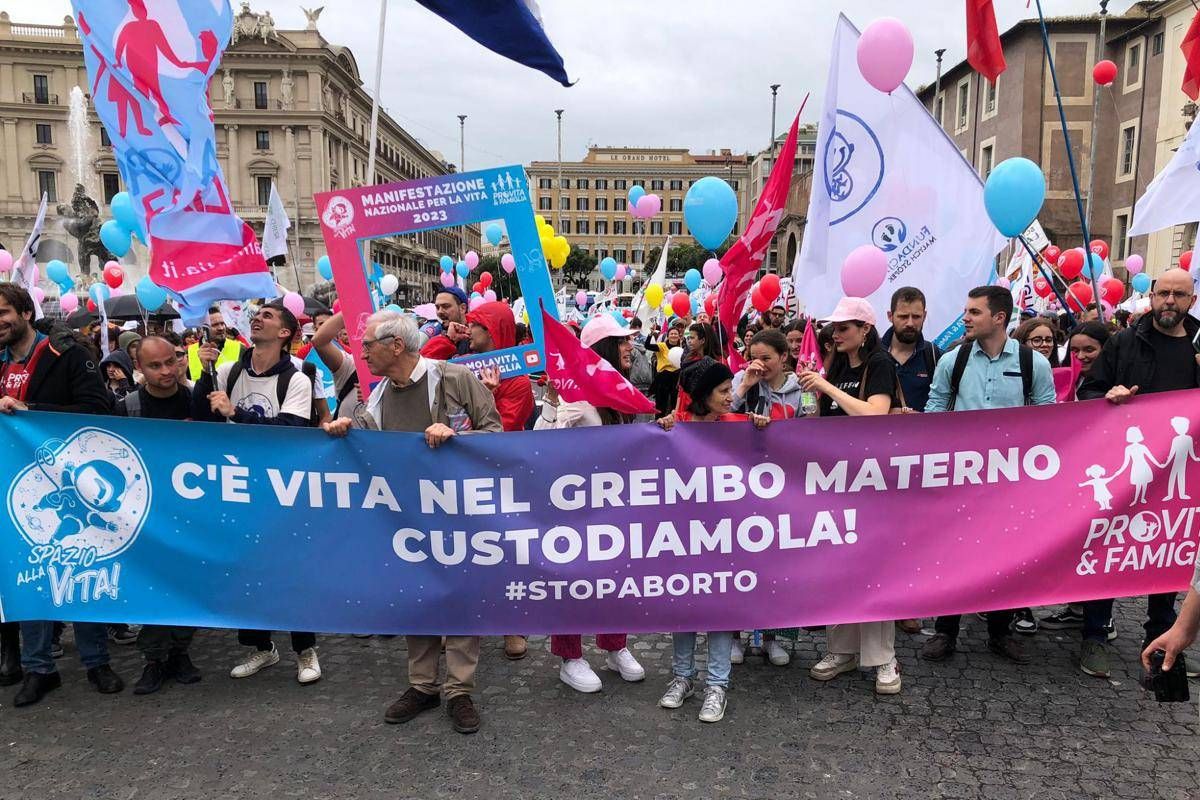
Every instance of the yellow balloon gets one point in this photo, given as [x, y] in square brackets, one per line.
[539, 219]
[525, 316]
[668, 311]
[654, 295]
[558, 260]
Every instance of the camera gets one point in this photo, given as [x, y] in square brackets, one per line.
[1170, 686]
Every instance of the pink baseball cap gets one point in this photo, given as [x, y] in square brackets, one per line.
[602, 327]
[852, 309]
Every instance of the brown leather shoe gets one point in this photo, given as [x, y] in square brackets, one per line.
[463, 715]
[410, 704]
[938, 648]
[1008, 647]
[909, 625]
[515, 647]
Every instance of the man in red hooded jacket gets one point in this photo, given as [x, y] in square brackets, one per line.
[492, 327]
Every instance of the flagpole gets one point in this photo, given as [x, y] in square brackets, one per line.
[375, 109]
[1095, 118]
[1049, 279]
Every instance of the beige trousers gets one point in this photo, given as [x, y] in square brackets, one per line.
[874, 642]
[462, 656]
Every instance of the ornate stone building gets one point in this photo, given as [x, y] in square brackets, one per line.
[290, 109]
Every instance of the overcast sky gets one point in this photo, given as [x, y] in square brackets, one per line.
[683, 73]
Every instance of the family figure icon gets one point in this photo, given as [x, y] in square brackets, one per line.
[1140, 463]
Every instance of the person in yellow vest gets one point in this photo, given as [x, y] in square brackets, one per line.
[231, 349]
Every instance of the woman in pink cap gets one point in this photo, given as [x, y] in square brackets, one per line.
[860, 382]
[613, 342]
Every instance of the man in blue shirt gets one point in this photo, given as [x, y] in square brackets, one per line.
[913, 356]
[993, 371]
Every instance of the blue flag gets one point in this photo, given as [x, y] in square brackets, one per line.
[511, 28]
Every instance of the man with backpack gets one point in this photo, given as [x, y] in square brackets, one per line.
[989, 370]
[162, 396]
[263, 387]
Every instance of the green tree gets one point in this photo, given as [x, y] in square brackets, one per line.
[683, 257]
[580, 265]
[504, 285]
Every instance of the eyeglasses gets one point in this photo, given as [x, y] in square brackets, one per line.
[1167, 294]
[369, 342]
[1040, 340]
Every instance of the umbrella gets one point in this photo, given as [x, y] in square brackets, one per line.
[81, 319]
[127, 307]
[312, 307]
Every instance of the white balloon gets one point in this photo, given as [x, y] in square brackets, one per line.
[389, 284]
[675, 356]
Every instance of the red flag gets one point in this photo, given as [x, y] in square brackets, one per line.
[741, 262]
[984, 51]
[579, 373]
[1191, 52]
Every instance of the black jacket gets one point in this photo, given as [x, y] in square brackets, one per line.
[1128, 360]
[65, 377]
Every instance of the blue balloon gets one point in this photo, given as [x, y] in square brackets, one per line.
[149, 294]
[396, 308]
[494, 233]
[691, 279]
[1013, 195]
[66, 285]
[116, 238]
[636, 193]
[608, 268]
[695, 305]
[463, 269]
[1093, 267]
[619, 317]
[123, 211]
[1141, 282]
[99, 293]
[324, 268]
[447, 263]
[710, 210]
[56, 271]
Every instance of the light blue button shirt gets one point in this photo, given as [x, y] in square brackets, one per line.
[990, 382]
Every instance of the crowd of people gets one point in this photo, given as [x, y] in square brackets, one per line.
[866, 366]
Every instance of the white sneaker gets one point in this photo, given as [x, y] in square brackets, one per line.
[775, 653]
[308, 669]
[577, 673]
[832, 665]
[261, 659]
[887, 678]
[623, 662]
[737, 653]
[713, 708]
[678, 690]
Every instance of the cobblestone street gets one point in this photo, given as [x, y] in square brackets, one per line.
[974, 727]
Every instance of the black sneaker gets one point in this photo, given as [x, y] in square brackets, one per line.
[1110, 630]
[105, 680]
[1024, 622]
[1008, 647]
[938, 648]
[122, 634]
[35, 687]
[1069, 618]
[181, 668]
[152, 678]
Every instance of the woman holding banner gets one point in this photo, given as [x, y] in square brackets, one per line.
[613, 342]
[861, 382]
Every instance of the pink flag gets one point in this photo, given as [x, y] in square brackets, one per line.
[1065, 380]
[578, 373]
[741, 262]
[810, 351]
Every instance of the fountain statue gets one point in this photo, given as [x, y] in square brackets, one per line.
[79, 139]
[81, 219]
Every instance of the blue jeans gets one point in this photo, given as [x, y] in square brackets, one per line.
[1160, 616]
[720, 643]
[90, 637]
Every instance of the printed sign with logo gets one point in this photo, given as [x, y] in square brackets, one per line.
[351, 217]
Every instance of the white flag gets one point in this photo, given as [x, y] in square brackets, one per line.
[1173, 197]
[275, 229]
[888, 175]
[25, 269]
[641, 309]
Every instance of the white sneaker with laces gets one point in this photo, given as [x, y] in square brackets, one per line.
[713, 708]
[832, 665]
[887, 678]
[737, 653]
[623, 662]
[775, 653]
[259, 660]
[578, 674]
[678, 690]
[308, 669]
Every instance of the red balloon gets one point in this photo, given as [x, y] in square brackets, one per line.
[1042, 288]
[759, 300]
[1185, 259]
[477, 287]
[114, 276]
[1099, 247]
[681, 304]
[710, 305]
[770, 286]
[1104, 73]
[1079, 295]
[486, 279]
[1051, 254]
[91, 306]
[1113, 290]
[1070, 263]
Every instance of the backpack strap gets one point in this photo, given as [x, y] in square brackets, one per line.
[960, 366]
[349, 387]
[930, 357]
[282, 381]
[235, 372]
[133, 404]
[862, 384]
[1025, 357]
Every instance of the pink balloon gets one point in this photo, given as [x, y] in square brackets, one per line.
[337, 306]
[622, 270]
[490, 295]
[648, 205]
[69, 303]
[115, 291]
[475, 303]
[6, 261]
[712, 272]
[864, 271]
[580, 298]
[508, 263]
[447, 280]
[38, 294]
[1133, 263]
[885, 53]
[294, 303]
[472, 260]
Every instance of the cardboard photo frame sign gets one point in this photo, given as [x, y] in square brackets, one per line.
[354, 216]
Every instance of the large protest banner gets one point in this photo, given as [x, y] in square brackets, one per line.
[628, 528]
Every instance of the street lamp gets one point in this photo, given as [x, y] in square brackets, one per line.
[462, 159]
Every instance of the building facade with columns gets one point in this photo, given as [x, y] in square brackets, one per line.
[290, 109]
